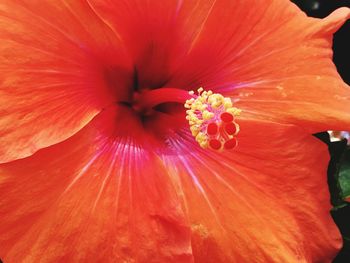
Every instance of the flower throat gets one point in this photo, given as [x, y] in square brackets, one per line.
[211, 116]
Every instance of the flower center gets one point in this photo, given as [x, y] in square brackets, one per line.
[149, 99]
[211, 117]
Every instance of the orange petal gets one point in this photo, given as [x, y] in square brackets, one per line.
[56, 59]
[296, 81]
[97, 196]
[272, 59]
[108, 206]
[91, 198]
[157, 34]
[266, 201]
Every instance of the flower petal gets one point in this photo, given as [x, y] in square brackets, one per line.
[91, 198]
[306, 89]
[267, 201]
[158, 34]
[56, 59]
[273, 60]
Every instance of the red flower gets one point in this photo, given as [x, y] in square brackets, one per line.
[92, 173]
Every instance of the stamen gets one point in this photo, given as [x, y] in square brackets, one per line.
[211, 117]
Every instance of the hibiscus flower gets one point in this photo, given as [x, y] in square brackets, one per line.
[98, 162]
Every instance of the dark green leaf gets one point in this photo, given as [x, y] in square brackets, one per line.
[344, 174]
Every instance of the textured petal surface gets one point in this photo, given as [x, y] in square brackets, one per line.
[91, 198]
[157, 34]
[100, 195]
[56, 59]
[58, 56]
[296, 81]
[275, 61]
[267, 201]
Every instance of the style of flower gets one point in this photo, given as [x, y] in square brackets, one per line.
[100, 164]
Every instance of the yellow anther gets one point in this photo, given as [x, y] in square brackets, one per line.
[227, 103]
[207, 115]
[204, 144]
[211, 119]
[216, 100]
[201, 138]
[234, 111]
[195, 130]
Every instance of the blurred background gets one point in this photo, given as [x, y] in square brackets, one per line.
[339, 166]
